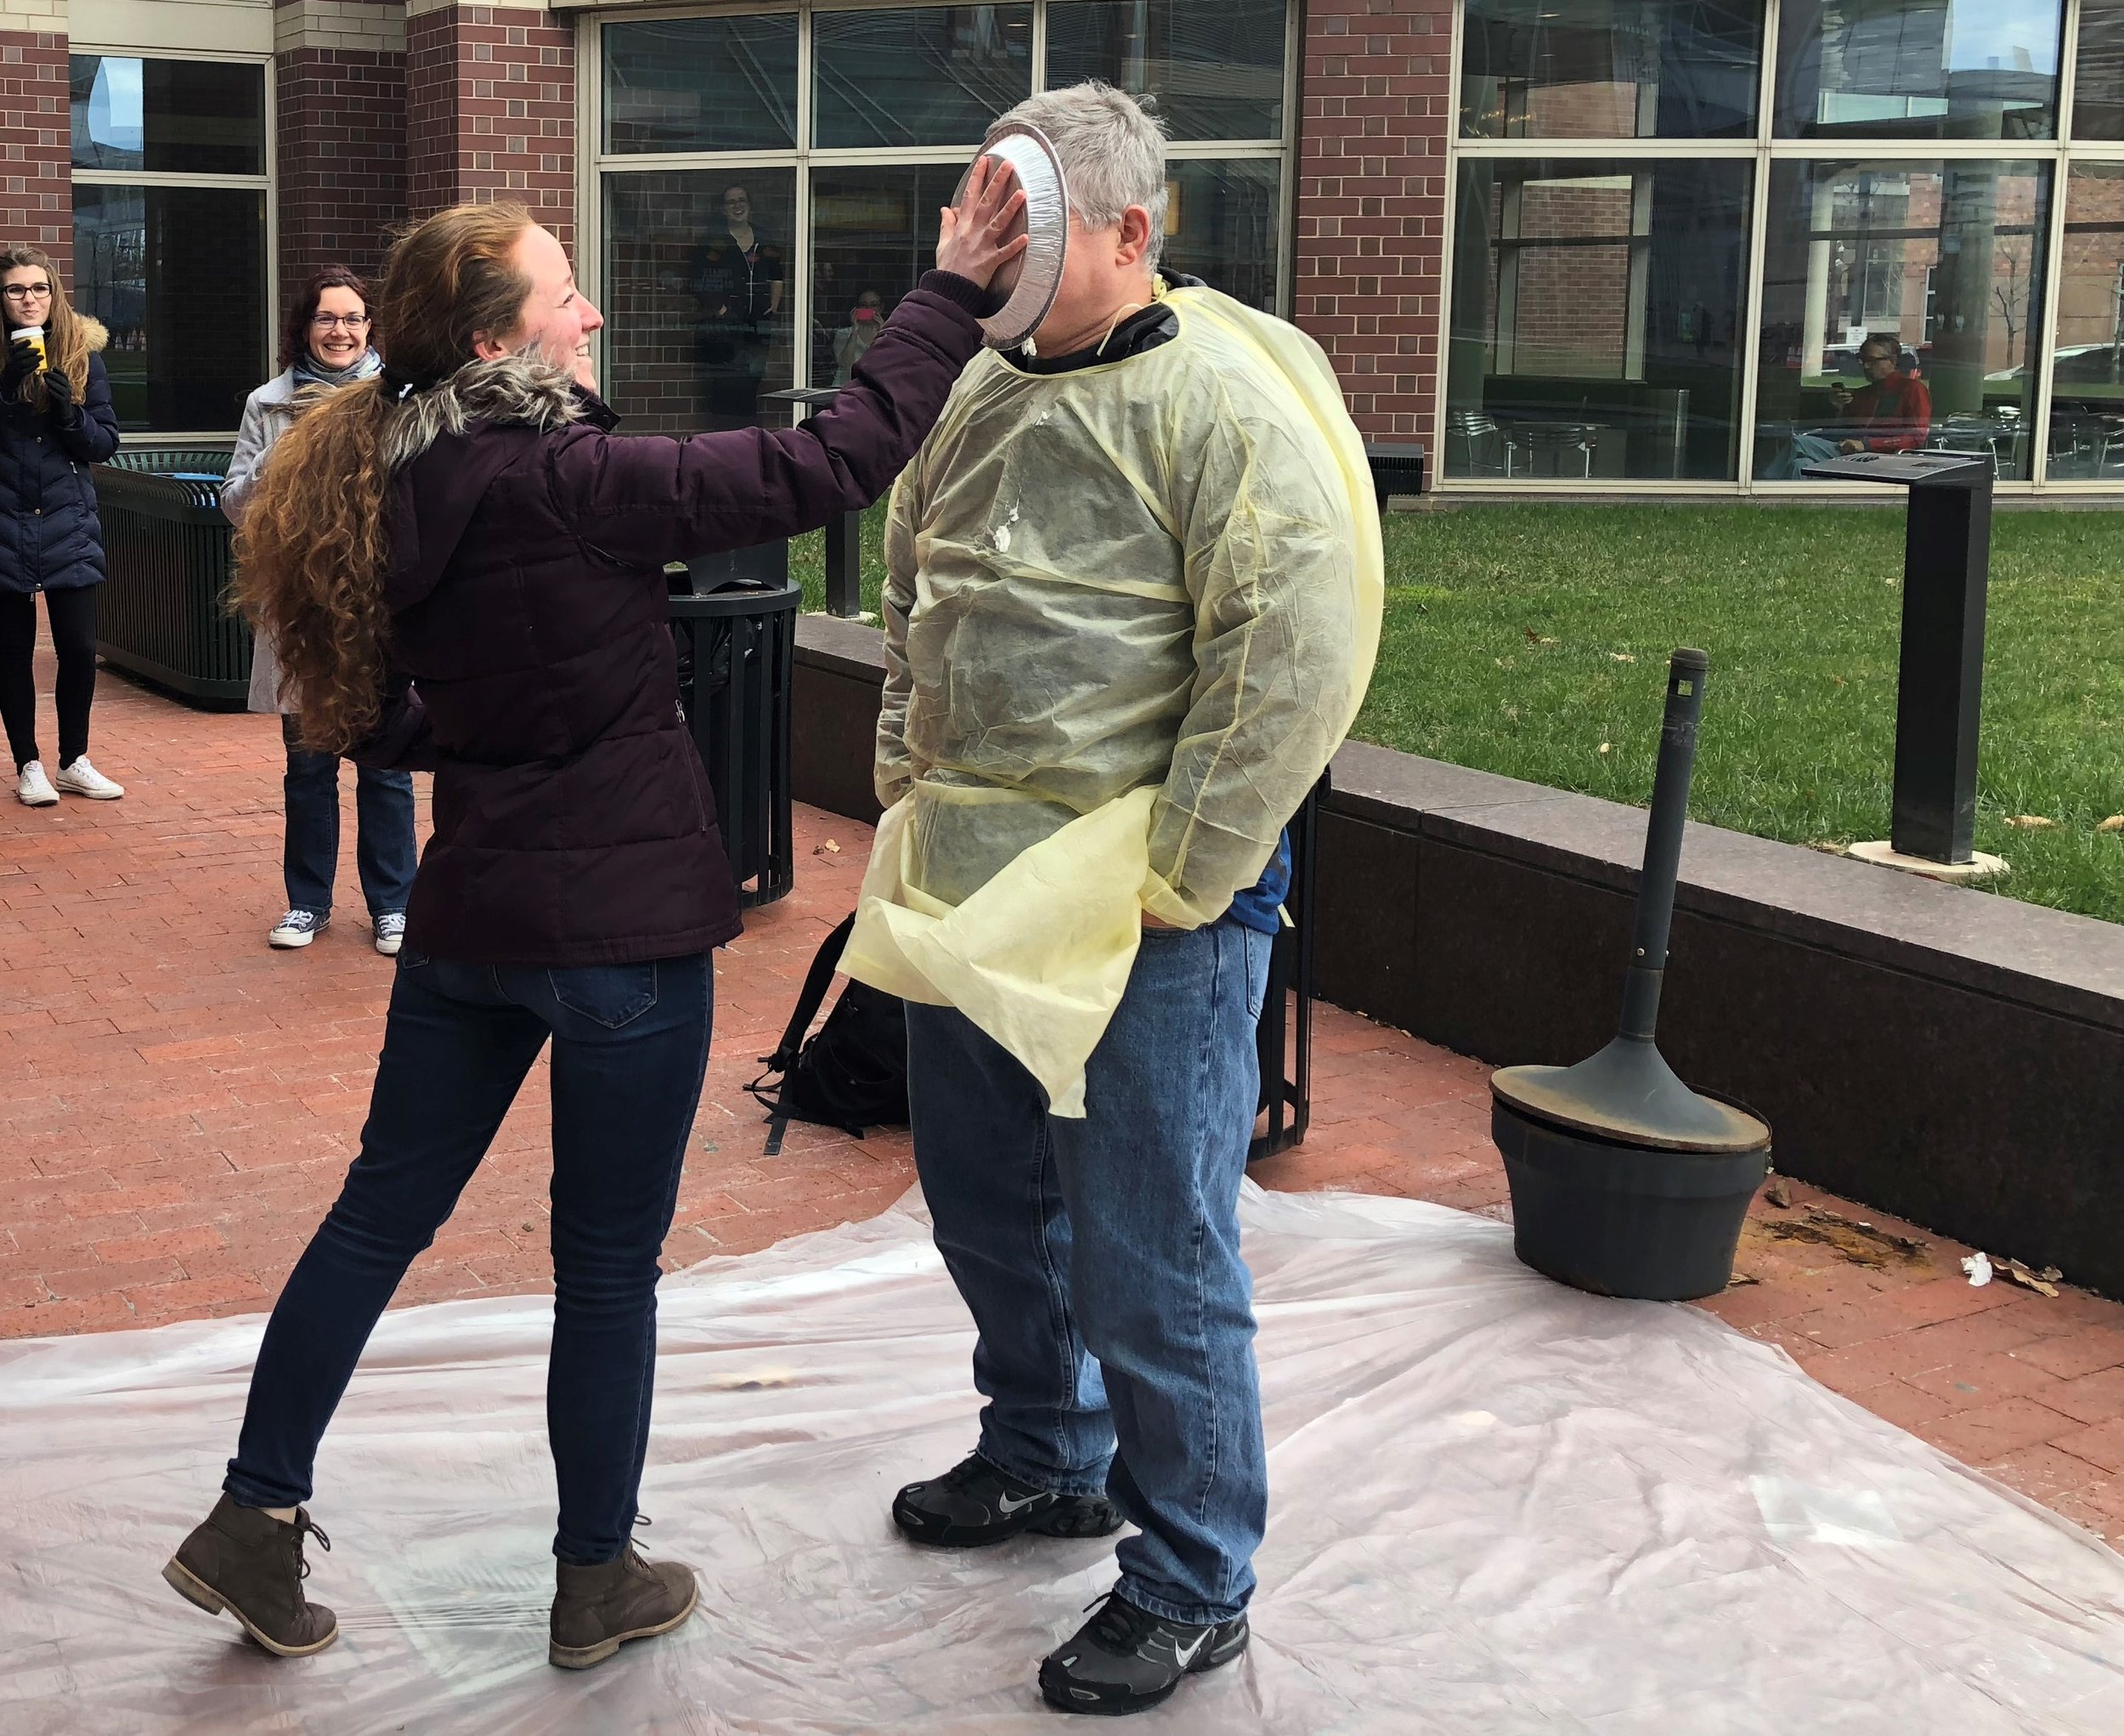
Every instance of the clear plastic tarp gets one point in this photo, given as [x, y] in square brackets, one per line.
[1498, 1506]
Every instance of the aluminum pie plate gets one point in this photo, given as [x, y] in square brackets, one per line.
[1033, 279]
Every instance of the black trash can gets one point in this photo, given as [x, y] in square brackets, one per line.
[163, 615]
[737, 648]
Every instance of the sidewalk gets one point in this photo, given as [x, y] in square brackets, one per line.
[181, 1103]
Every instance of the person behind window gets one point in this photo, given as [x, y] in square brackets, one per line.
[325, 344]
[866, 319]
[461, 567]
[1892, 412]
[738, 278]
[55, 422]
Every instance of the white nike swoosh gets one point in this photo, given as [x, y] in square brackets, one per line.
[1010, 1506]
[1185, 1658]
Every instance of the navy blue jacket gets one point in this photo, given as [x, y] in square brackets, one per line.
[50, 535]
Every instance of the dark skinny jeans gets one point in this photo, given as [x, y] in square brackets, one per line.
[630, 1052]
[72, 614]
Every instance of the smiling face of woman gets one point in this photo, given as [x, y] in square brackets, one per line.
[339, 328]
[737, 206]
[25, 292]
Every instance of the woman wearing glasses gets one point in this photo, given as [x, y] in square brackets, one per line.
[55, 422]
[325, 344]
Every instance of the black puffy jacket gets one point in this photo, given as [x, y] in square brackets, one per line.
[50, 535]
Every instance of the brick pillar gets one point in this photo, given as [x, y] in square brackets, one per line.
[1377, 101]
[491, 109]
[36, 196]
[341, 145]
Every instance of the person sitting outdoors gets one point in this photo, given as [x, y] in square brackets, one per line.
[1133, 598]
[1892, 412]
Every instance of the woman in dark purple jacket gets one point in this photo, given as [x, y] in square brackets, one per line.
[462, 567]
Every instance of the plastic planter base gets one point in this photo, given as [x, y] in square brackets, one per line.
[1623, 1220]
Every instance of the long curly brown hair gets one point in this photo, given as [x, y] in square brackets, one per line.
[66, 338]
[313, 549]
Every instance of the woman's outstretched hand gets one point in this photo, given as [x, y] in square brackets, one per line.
[975, 238]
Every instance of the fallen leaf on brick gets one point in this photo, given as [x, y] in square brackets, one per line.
[1779, 1193]
[1741, 1281]
[1852, 1238]
[833, 846]
[2114, 824]
[2032, 823]
[2044, 1283]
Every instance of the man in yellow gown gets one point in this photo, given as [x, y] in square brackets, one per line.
[1133, 599]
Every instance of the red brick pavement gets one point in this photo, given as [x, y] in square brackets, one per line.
[180, 1103]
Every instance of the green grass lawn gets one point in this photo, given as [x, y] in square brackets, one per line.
[1527, 640]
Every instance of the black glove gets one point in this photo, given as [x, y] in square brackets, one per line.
[58, 401]
[21, 362]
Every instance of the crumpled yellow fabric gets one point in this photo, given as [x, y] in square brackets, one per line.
[1130, 613]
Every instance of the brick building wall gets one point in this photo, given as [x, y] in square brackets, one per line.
[1377, 101]
[342, 141]
[491, 109]
[37, 202]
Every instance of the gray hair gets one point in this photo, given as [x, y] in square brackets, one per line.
[1113, 150]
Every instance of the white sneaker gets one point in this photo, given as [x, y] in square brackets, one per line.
[81, 778]
[298, 928]
[33, 788]
[390, 932]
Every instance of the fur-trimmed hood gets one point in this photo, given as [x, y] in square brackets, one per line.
[97, 334]
[475, 423]
[520, 390]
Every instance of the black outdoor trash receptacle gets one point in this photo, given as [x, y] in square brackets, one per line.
[737, 650]
[163, 615]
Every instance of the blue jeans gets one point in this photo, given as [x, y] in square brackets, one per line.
[630, 1051]
[1101, 1260]
[384, 850]
[1805, 450]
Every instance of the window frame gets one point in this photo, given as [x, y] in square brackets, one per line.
[266, 184]
[2058, 154]
[595, 164]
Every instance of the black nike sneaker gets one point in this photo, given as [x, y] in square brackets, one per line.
[1126, 1659]
[975, 1503]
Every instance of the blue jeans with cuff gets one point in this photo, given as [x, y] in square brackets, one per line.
[630, 1052]
[1100, 1261]
[385, 853]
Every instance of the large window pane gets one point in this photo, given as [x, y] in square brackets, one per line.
[874, 234]
[1596, 311]
[1940, 263]
[199, 117]
[1610, 69]
[1918, 69]
[701, 84]
[937, 76]
[178, 273]
[1222, 226]
[2098, 107]
[1217, 70]
[2086, 382]
[699, 298]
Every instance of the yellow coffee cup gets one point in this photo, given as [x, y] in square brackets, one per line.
[34, 336]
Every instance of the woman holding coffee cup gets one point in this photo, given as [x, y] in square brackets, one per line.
[55, 422]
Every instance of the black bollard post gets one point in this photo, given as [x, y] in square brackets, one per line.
[1947, 564]
[843, 531]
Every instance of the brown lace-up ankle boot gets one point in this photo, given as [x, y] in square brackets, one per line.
[598, 1609]
[250, 1563]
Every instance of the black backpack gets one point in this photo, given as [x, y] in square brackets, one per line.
[853, 1074]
